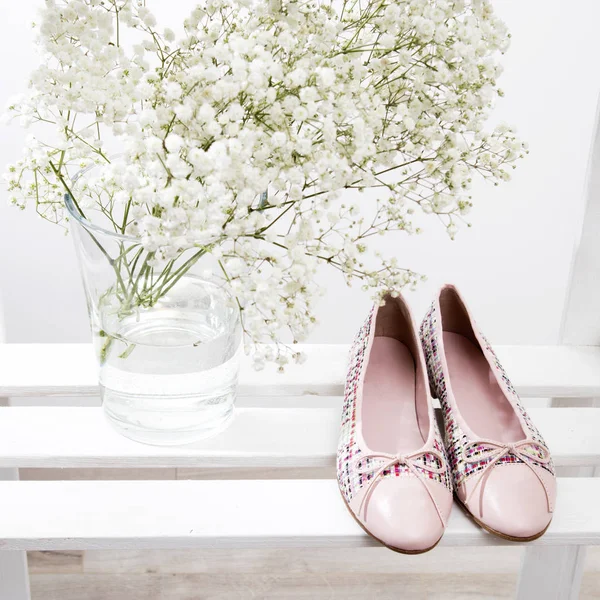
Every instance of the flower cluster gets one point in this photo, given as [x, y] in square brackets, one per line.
[253, 134]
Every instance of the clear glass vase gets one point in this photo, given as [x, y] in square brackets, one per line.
[168, 342]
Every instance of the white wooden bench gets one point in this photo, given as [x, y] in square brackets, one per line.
[47, 515]
[79, 515]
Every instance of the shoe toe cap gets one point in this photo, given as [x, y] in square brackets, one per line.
[402, 515]
[515, 503]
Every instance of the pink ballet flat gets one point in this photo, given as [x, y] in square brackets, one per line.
[502, 468]
[391, 466]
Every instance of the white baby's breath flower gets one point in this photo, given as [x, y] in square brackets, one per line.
[252, 137]
[174, 142]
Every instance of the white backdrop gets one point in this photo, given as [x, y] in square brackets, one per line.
[512, 265]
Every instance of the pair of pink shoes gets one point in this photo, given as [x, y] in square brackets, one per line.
[396, 474]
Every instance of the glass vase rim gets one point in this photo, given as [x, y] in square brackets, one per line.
[76, 213]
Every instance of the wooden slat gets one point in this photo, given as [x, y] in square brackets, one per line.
[80, 515]
[78, 437]
[69, 370]
[258, 438]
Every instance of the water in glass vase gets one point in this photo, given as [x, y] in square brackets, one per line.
[168, 374]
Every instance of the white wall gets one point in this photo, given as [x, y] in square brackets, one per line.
[512, 264]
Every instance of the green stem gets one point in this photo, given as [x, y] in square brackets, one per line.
[130, 296]
[179, 273]
[106, 348]
[60, 177]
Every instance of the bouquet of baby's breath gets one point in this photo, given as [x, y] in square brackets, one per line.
[249, 135]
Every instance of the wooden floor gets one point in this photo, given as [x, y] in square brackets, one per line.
[362, 573]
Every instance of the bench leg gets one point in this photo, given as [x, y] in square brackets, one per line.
[14, 578]
[551, 573]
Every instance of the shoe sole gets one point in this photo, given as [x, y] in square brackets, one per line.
[499, 534]
[392, 548]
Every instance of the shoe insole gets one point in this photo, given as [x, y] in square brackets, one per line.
[389, 415]
[480, 399]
